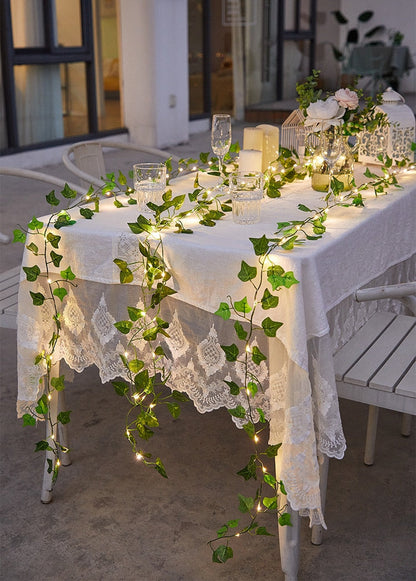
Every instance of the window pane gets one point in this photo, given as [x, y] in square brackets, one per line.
[27, 23]
[68, 11]
[195, 57]
[38, 103]
[74, 99]
[107, 65]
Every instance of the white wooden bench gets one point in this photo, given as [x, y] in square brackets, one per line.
[9, 288]
[378, 367]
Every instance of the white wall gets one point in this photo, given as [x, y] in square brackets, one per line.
[154, 70]
[393, 14]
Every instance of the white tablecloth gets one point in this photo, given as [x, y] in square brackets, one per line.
[361, 246]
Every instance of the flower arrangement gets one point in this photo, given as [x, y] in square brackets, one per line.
[342, 109]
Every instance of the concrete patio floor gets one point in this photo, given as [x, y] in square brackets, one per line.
[114, 520]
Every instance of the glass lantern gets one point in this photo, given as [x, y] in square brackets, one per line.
[394, 139]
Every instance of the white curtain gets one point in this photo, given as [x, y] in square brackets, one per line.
[38, 87]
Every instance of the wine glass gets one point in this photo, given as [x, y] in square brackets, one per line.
[221, 136]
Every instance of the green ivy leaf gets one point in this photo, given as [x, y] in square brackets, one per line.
[238, 412]
[63, 417]
[160, 468]
[222, 554]
[60, 293]
[247, 272]
[270, 502]
[42, 446]
[284, 520]
[19, 236]
[56, 258]
[179, 396]
[126, 276]
[257, 356]
[32, 272]
[272, 450]
[249, 471]
[87, 213]
[64, 219]
[263, 531]
[174, 409]
[246, 503]
[67, 274]
[43, 405]
[250, 429]
[68, 193]
[239, 329]
[28, 420]
[52, 199]
[270, 327]
[223, 311]
[231, 352]
[268, 300]
[303, 208]
[270, 479]
[117, 203]
[242, 306]
[135, 365]
[262, 417]
[58, 382]
[124, 326]
[53, 239]
[260, 245]
[135, 314]
[35, 224]
[37, 298]
[234, 388]
[282, 488]
[252, 388]
[121, 388]
[33, 248]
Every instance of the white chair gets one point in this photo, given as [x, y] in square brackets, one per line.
[38, 176]
[377, 366]
[86, 158]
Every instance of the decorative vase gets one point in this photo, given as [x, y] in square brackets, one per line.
[332, 156]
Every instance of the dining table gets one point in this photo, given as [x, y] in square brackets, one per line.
[363, 246]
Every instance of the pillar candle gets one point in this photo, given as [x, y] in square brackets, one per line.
[270, 144]
[249, 160]
[253, 138]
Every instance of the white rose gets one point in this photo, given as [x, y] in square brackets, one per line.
[323, 114]
[347, 98]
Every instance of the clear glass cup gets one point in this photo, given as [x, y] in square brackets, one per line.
[246, 190]
[149, 183]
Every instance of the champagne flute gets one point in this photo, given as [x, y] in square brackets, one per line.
[332, 148]
[221, 137]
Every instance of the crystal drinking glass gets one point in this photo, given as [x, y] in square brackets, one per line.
[221, 137]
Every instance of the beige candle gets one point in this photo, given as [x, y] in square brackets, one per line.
[270, 144]
[249, 160]
[253, 138]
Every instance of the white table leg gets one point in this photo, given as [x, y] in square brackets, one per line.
[317, 530]
[63, 431]
[289, 537]
[46, 494]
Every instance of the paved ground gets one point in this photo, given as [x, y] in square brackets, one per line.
[113, 520]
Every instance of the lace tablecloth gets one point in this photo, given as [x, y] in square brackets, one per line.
[362, 246]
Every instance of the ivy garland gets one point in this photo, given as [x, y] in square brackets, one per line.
[144, 385]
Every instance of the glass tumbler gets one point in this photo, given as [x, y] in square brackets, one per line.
[149, 183]
[246, 189]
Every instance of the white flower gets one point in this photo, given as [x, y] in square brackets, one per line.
[347, 98]
[323, 114]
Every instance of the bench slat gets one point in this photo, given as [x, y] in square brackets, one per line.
[389, 375]
[407, 385]
[348, 355]
[372, 360]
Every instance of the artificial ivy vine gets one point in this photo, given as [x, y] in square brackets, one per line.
[143, 386]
